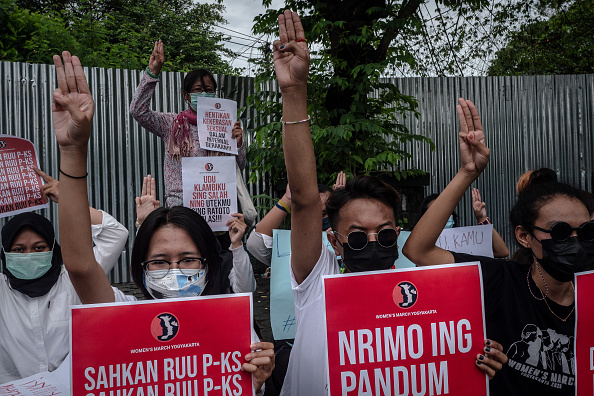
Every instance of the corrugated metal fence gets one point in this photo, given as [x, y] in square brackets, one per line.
[530, 122]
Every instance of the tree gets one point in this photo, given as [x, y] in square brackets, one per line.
[561, 44]
[353, 43]
[121, 33]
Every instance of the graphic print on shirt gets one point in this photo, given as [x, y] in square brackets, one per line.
[544, 356]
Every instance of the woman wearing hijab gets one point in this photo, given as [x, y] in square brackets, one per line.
[36, 292]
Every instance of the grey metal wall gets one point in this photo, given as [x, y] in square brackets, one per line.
[530, 122]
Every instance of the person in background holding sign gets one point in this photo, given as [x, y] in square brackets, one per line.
[529, 307]
[35, 290]
[178, 131]
[175, 253]
[362, 216]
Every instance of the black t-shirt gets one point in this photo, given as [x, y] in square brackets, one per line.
[538, 344]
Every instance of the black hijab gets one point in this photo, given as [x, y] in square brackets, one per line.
[42, 226]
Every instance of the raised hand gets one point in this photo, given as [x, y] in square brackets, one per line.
[291, 56]
[51, 188]
[147, 202]
[340, 181]
[157, 58]
[73, 106]
[478, 206]
[473, 151]
[237, 133]
[237, 228]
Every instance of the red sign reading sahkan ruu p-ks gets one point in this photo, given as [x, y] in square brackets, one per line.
[185, 346]
[414, 331]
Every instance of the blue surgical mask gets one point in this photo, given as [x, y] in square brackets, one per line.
[29, 265]
[450, 223]
[174, 283]
[194, 98]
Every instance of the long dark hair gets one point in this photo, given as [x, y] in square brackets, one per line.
[531, 200]
[361, 187]
[195, 226]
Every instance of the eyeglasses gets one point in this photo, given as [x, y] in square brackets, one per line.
[187, 266]
[561, 231]
[357, 240]
[202, 90]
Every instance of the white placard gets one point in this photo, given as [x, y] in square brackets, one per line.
[210, 188]
[475, 240]
[215, 123]
[43, 384]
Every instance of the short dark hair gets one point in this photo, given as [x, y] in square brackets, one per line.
[425, 205]
[322, 188]
[369, 187]
[531, 200]
[195, 75]
[193, 224]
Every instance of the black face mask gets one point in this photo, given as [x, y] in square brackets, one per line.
[563, 259]
[325, 223]
[372, 257]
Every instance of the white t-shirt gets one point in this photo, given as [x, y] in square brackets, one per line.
[306, 374]
[34, 332]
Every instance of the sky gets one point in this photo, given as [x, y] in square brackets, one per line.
[240, 15]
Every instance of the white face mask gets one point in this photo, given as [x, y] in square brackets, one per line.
[29, 265]
[174, 284]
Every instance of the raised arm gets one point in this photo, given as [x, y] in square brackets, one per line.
[420, 247]
[480, 212]
[72, 112]
[140, 107]
[291, 63]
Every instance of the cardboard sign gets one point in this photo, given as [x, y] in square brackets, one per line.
[475, 240]
[584, 329]
[20, 186]
[56, 383]
[411, 331]
[215, 123]
[184, 346]
[210, 188]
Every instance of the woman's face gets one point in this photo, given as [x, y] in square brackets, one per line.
[172, 244]
[561, 208]
[204, 84]
[29, 241]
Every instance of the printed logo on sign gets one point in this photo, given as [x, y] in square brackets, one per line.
[209, 166]
[164, 327]
[217, 106]
[405, 294]
[2, 144]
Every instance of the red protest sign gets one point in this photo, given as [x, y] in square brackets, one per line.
[20, 186]
[584, 329]
[189, 346]
[413, 331]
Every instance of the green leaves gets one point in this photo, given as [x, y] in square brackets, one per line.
[115, 33]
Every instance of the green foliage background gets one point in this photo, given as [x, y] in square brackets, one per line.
[117, 33]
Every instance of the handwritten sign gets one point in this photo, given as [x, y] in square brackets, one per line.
[20, 186]
[43, 384]
[171, 347]
[210, 188]
[410, 331]
[584, 328]
[215, 124]
[476, 240]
